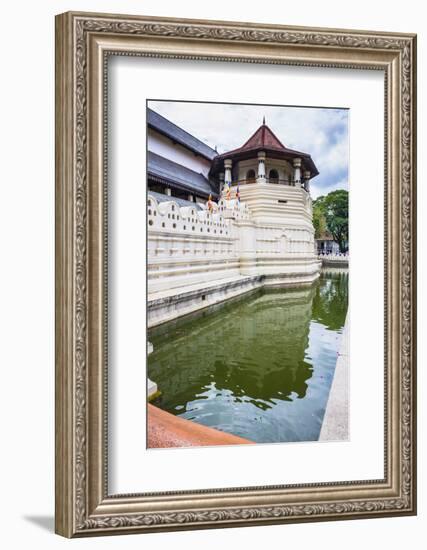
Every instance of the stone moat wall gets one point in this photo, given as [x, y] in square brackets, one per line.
[199, 257]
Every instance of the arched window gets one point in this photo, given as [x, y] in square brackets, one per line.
[273, 176]
[250, 176]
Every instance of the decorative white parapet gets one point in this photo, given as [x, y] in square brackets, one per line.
[168, 216]
[233, 209]
[187, 246]
[271, 236]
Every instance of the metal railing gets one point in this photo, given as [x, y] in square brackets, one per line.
[278, 181]
[267, 180]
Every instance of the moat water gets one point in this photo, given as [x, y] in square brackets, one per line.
[259, 367]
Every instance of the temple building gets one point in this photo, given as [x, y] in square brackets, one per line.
[264, 159]
[178, 164]
[182, 166]
[220, 225]
[326, 244]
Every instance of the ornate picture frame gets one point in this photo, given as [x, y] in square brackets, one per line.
[84, 42]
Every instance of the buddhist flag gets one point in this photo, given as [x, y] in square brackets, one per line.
[228, 193]
[210, 203]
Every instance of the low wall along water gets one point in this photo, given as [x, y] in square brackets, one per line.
[198, 258]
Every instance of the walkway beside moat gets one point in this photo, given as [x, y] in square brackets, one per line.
[172, 303]
[166, 430]
[335, 421]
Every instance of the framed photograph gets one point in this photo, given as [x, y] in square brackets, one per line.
[235, 274]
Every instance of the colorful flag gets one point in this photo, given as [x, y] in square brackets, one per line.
[210, 203]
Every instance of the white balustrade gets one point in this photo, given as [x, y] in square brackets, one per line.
[188, 246]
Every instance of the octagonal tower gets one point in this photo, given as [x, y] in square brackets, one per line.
[273, 180]
[276, 241]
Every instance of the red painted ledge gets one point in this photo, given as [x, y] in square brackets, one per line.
[167, 430]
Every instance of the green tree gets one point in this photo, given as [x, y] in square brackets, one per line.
[319, 218]
[330, 214]
[336, 214]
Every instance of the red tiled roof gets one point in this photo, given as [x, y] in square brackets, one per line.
[263, 137]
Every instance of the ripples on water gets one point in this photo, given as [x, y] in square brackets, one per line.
[260, 367]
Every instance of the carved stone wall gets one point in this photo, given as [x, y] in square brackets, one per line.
[188, 247]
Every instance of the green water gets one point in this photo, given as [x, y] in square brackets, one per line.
[260, 367]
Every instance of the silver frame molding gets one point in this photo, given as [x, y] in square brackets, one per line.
[83, 43]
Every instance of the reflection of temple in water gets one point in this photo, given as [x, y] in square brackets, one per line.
[254, 348]
[330, 300]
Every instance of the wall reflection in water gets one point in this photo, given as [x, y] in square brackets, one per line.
[260, 367]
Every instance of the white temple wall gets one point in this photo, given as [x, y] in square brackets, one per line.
[163, 146]
[277, 205]
[187, 247]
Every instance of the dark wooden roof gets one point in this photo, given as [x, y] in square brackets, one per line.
[176, 175]
[325, 237]
[178, 135]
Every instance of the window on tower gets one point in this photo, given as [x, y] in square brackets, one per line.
[250, 176]
[273, 176]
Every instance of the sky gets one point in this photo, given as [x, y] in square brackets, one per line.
[323, 133]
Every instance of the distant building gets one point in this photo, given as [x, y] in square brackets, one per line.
[326, 245]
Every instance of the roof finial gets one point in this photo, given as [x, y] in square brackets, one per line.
[263, 120]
